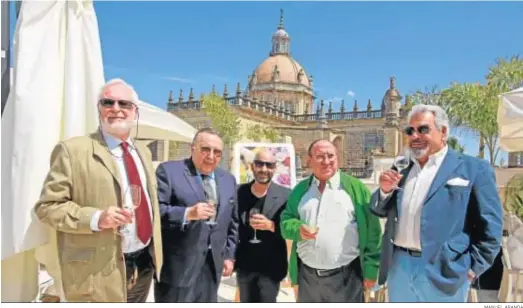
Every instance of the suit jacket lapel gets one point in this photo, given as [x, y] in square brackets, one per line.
[270, 206]
[399, 192]
[218, 179]
[101, 151]
[451, 161]
[192, 177]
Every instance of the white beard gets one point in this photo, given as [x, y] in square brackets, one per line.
[117, 128]
[418, 153]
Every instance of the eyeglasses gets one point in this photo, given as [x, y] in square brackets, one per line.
[122, 103]
[208, 150]
[422, 129]
[260, 164]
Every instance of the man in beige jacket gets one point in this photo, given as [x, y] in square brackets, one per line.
[108, 252]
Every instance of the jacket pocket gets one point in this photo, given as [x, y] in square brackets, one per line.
[78, 272]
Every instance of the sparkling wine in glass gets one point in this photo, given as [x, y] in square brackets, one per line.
[212, 203]
[401, 163]
[254, 211]
[131, 200]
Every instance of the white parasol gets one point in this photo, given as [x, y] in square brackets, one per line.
[510, 120]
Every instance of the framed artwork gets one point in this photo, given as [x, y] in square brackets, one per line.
[285, 173]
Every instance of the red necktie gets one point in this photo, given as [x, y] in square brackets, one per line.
[142, 215]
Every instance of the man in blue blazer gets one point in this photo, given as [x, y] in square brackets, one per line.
[196, 252]
[444, 222]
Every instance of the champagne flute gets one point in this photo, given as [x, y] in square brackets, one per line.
[131, 204]
[401, 163]
[212, 203]
[252, 212]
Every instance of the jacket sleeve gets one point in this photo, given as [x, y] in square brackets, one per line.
[55, 206]
[488, 223]
[232, 232]
[372, 251]
[290, 222]
[171, 213]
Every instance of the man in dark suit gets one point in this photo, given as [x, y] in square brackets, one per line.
[196, 252]
[261, 265]
[444, 224]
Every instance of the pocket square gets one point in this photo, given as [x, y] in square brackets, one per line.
[458, 182]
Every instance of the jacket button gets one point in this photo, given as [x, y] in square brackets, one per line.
[391, 241]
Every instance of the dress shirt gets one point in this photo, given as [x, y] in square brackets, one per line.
[131, 242]
[337, 239]
[415, 191]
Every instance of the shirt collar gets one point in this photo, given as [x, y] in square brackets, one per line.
[114, 143]
[209, 175]
[333, 182]
[436, 158]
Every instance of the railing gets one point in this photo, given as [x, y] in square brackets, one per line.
[282, 112]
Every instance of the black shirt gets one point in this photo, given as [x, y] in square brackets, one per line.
[269, 257]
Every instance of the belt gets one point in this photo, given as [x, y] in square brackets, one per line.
[411, 252]
[326, 272]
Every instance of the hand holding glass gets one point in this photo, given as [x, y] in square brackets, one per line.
[401, 163]
[135, 194]
[253, 212]
[212, 203]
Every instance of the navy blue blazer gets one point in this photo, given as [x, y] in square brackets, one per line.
[185, 245]
[461, 225]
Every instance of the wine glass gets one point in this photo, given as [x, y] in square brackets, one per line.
[212, 203]
[130, 204]
[254, 211]
[401, 163]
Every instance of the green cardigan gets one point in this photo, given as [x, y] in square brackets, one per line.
[369, 227]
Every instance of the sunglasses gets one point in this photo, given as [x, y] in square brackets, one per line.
[260, 164]
[123, 104]
[422, 129]
[208, 150]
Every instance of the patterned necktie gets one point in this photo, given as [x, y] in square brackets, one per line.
[142, 215]
[208, 188]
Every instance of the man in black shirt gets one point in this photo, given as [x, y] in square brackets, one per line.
[261, 255]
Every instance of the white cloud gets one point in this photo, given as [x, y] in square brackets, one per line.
[351, 93]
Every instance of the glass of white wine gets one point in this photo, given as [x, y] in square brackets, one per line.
[401, 163]
[252, 212]
[212, 203]
[131, 200]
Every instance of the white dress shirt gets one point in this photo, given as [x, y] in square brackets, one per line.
[131, 242]
[415, 191]
[332, 212]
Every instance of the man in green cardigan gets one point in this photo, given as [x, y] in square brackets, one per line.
[336, 241]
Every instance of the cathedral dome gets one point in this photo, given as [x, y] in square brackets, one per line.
[281, 68]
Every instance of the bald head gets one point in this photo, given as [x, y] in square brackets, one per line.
[263, 166]
[265, 155]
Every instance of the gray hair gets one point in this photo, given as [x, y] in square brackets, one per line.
[441, 118]
[205, 130]
[114, 81]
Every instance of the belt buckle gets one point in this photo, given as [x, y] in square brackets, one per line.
[324, 272]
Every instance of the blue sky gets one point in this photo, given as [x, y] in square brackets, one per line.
[346, 46]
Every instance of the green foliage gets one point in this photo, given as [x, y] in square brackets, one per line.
[474, 106]
[258, 133]
[514, 196]
[223, 118]
[454, 144]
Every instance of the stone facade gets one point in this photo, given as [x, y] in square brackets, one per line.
[280, 94]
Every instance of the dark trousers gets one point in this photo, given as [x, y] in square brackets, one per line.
[139, 272]
[257, 288]
[204, 290]
[340, 285]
